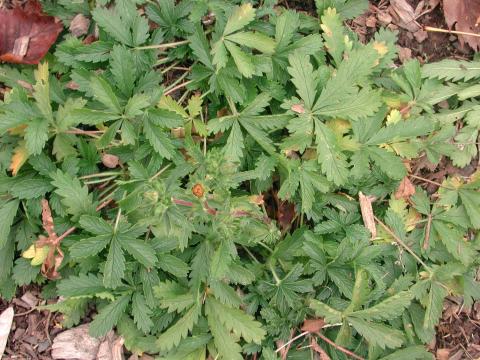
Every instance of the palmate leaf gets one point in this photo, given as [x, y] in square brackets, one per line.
[303, 77]
[241, 17]
[329, 314]
[114, 269]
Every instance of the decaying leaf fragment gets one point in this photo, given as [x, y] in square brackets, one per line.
[46, 250]
[26, 34]
[405, 189]
[367, 213]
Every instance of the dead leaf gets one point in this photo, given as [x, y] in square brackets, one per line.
[30, 299]
[6, 320]
[75, 344]
[313, 325]
[404, 54]
[405, 189]
[464, 16]
[26, 34]
[404, 15]
[110, 161]
[315, 347]
[420, 36]
[367, 213]
[79, 25]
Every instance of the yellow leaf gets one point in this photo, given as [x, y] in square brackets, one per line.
[394, 117]
[194, 105]
[29, 253]
[20, 155]
[168, 103]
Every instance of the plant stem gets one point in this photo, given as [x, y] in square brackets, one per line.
[434, 29]
[162, 46]
[160, 172]
[178, 87]
[338, 347]
[275, 275]
[292, 340]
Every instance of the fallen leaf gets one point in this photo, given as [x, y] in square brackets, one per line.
[75, 344]
[20, 155]
[323, 354]
[405, 189]
[79, 25]
[26, 34]
[110, 161]
[6, 320]
[404, 15]
[313, 325]
[464, 16]
[367, 213]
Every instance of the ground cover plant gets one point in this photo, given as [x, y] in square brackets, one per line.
[220, 178]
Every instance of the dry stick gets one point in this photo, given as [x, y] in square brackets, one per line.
[179, 86]
[426, 243]
[292, 340]
[338, 347]
[434, 29]
[430, 181]
[405, 246]
[163, 46]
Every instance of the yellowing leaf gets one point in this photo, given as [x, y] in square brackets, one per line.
[41, 74]
[381, 48]
[168, 103]
[394, 117]
[37, 254]
[19, 157]
[195, 105]
[17, 130]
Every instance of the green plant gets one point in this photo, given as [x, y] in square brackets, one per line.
[202, 192]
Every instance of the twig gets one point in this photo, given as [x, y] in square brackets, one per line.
[434, 29]
[429, 181]
[338, 347]
[292, 340]
[47, 326]
[179, 86]
[426, 243]
[405, 246]
[160, 172]
[25, 313]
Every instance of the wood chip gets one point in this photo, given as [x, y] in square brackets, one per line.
[6, 320]
[30, 299]
[111, 348]
[75, 344]
[367, 213]
[443, 354]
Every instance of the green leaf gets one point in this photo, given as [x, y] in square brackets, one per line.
[471, 201]
[173, 297]
[243, 60]
[158, 139]
[31, 188]
[333, 34]
[141, 313]
[95, 225]
[36, 135]
[388, 309]
[452, 70]
[173, 265]
[108, 316]
[122, 66]
[172, 336]
[74, 196]
[434, 305]
[103, 92]
[412, 353]
[140, 250]
[90, 246]
[23, 272]
[81, 285]
[378, 335]
[303, 77]
[109, 21]
[114, 270]
[254, 40]
[234, 146]
[332, 160]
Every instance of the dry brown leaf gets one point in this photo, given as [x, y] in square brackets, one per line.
[464, 15]
[404, 15]
[110, 161]
[6, 320]
[79, 25]
[367, 213]
[26, 34]
[75, 344]
[20, 155]
[405, 189]
[315, 347]
[313, 325]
